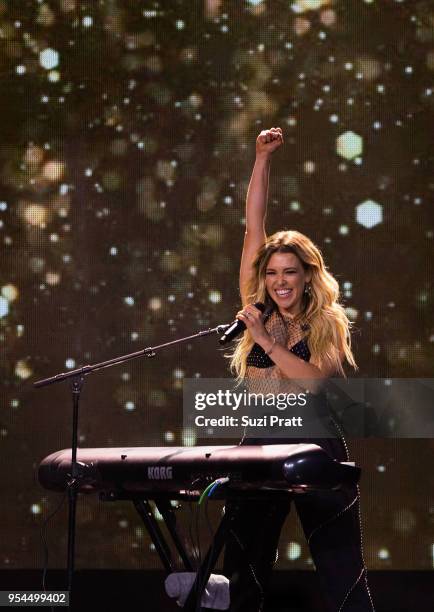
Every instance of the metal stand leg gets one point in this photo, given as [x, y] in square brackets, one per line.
[144, 509]
[208, 564]
[168, 515]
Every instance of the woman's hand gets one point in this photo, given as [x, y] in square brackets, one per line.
[253, 320]
[268, 141]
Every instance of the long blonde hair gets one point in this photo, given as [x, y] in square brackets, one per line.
[329, 327]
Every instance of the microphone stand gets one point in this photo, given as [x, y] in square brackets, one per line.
[77, 377]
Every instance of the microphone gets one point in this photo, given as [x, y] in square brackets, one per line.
[238, 326]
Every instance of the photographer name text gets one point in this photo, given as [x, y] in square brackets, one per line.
[246, 421]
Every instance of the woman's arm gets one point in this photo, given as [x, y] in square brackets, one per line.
[290, 365]
[256, 204]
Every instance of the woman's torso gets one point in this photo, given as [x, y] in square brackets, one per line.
[264, 376]
[287, 331]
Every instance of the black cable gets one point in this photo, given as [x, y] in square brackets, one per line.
[208, 522]
[197, 525]
[252, 570]
[202, 586]
[42, 533]
[190, 531]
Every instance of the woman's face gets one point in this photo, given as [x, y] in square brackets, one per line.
[285, 280]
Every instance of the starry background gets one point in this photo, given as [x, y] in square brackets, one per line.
[126, 144]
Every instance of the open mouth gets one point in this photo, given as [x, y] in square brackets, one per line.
[283, 293]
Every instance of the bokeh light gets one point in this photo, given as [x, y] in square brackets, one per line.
[127, 143]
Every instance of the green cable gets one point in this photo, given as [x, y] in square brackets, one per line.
[204, 494]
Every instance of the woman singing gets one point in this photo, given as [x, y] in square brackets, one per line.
[303, 335]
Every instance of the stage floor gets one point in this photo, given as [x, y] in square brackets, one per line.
[291, 591]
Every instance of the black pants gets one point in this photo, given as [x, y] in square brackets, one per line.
[331, 523]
